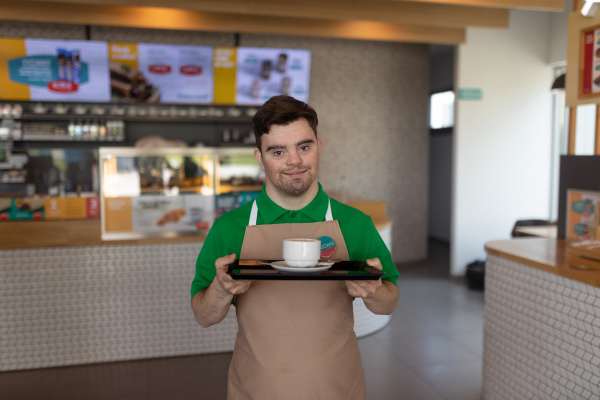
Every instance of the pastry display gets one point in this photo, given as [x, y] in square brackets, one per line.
[171, 216]
[129, 85]
[32, 204]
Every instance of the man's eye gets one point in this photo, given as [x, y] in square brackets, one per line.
[304, 147]
[277, 153]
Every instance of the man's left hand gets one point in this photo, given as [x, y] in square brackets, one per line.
[366, 289]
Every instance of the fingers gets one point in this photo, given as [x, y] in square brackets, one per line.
[227, 284]
[363, 289]
[223, 262]
[375, 263]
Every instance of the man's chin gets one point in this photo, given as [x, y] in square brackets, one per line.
[295, 189]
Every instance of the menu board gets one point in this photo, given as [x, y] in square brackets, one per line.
[53, 70]
[264, 73]
[156, 73]
[590, 82]
[121, 72]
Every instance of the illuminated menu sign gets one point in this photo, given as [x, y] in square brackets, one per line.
[120, 72]
[264, 73]
[54, 70]
[155, 73]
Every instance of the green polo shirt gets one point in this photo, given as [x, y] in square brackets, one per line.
[227, 233]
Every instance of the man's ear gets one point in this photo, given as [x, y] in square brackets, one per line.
[320, 142]
[258, 156]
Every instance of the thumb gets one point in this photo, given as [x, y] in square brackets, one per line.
[375, 263]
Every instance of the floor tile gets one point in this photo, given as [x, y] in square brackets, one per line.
[397, 384]
[428, 350]
[29, 392]
[375, 356]
[456, 381]
[471, 341]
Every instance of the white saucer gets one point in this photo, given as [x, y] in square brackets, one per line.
[283, 267]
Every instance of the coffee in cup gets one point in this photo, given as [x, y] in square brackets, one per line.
[301, 252]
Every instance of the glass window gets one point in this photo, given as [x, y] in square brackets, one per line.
[442, 110]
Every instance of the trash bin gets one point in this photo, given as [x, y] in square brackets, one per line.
[475, 275]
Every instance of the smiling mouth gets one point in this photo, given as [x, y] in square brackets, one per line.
[294, 174]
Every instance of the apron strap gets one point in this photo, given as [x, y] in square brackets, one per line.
[254, 213]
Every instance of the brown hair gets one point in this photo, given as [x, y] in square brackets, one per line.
[282, 110]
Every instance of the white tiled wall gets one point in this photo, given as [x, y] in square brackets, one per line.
[542, 335]
[63, 306]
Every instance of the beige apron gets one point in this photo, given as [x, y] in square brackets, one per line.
[295, 338]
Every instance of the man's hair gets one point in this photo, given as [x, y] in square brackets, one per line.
[282, 110]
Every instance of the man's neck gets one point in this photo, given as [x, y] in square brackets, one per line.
[292, 202]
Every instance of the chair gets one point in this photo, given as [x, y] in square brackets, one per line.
[528, 222]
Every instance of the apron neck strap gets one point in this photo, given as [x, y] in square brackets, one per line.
[254, 213]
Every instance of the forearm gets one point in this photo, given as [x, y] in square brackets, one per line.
[210, 306]
[384, 300]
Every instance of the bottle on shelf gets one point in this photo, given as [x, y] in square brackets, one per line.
[85, 129]
[102, 129]
[94, 129]
[78, 128]
[71, 128]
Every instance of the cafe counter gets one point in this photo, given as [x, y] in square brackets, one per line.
[68, 297]
[542, 322]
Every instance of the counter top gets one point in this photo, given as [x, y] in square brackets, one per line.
[550, 255]
[56, 233]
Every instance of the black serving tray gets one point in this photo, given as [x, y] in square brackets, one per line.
[340, 271]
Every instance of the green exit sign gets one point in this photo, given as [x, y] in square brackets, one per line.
[470, 94]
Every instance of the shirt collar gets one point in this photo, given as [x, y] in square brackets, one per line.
[269, 211]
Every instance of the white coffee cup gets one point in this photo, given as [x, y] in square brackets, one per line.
[301, 252]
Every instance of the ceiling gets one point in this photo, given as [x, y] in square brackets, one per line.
[423, 21]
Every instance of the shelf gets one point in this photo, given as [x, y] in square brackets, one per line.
[59, 138]
[128, 118]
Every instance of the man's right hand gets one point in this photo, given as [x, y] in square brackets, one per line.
[224, 283]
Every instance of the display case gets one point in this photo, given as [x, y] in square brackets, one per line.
[171, 192]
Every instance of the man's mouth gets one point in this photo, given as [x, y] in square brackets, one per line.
[295, 174]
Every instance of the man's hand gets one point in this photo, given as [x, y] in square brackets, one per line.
[380, 297]
[224, 283]
[211, 305]
[366, 289]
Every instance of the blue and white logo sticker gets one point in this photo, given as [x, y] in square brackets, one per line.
[328, 246]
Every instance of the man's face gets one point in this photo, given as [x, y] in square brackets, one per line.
[290, 157]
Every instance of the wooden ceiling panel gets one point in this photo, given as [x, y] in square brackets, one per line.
[395, 12]
[547, 5]
[167, 18]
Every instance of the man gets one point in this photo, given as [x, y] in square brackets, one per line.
[295, 338]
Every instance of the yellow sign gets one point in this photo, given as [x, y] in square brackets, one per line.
[123, 53]
[224, 63]
[9, 49]
[118, 214]
[66, 208]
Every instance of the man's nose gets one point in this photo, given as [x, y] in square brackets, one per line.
[294, 158]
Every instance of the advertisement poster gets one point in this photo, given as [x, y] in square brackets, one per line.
[229, 201]
[157, 73]
[590, 84]
[21, 208]
[178, 213]
[582, 214]
[54, 70]
[264, 73]
[72, 207]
